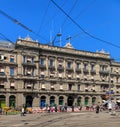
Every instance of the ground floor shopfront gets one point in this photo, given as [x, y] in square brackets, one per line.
[43, 100]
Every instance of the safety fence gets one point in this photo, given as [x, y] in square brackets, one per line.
[52, 109]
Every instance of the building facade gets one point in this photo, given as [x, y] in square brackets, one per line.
[38, 75]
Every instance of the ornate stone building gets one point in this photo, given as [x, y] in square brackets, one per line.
[35, 75]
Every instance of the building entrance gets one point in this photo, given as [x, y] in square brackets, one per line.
[29, 101]
[70, 100]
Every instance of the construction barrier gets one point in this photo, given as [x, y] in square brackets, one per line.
[52, 109]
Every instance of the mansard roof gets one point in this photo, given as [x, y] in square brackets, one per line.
[6, 44]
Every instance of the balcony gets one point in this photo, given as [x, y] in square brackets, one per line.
[78, 70]
[52, 75]
[85, 70]
[104, 72]
[69, 69]
[43, 66]
[93, 71]
[60, 68]
[28, 77]
[42, 76]
[2, 73]
[29, 64]
[51, 67]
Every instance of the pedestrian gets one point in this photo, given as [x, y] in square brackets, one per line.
[55, 108]
[110, 106]
[80, 108]
[97, 109]
[48, 109]
[65, 108]
[23, 112]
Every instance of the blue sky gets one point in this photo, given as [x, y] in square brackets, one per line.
[100, 18]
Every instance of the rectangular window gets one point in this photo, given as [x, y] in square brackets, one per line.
[11, 71]
[85, 66]
[92, 67]
[116, 79]
[70, 87]
[51, 62]
[12, 59]
[102, 68]
[78, 87]
[77, 65]
[32, 71]
[42, 61]
[69, 64]
[23, 59]
[32, 59]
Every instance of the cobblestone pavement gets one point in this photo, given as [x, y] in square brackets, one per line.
[81, 119]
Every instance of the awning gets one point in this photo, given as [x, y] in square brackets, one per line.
[61, 87]
[118, 101]
[43, 86]
[12, 84]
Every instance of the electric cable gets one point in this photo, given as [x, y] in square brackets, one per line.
[44, 15]
[82, 29]
[4, 37]
[20, 24]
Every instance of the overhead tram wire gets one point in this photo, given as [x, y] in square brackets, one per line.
[78, 17]
[44, 15]
[4, 37]
[69, 12]
[20, 24]
[78, 34]
[85, 9]
[81, 12]
[85, 32]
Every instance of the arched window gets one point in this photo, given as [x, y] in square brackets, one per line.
[61, 100]
[52, 101]
[70, 100]
[29, 101]
[93, 100]
[86, 103]
[2, 101]
[12, 101]
[43, 101]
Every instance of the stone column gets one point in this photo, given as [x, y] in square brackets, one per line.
[90, 100]
[82, 100]
[36, 101]
[75, 101]
[7, 100]
[65, 100]
[99, 100]
[57, 100]
[20, 100]
[48, 100]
